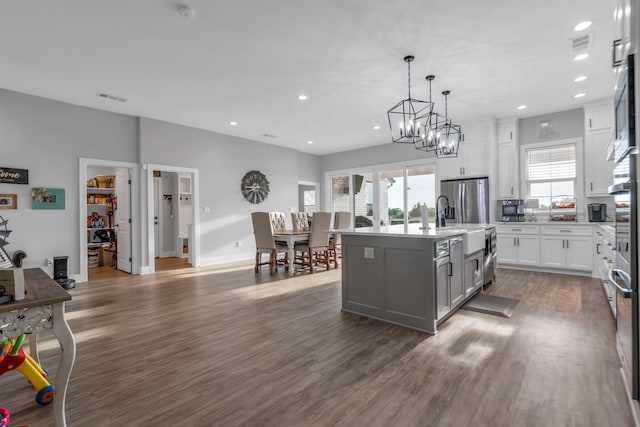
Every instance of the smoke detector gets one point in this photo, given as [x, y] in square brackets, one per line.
[187, 11]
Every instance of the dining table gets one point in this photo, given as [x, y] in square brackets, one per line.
[290, 237]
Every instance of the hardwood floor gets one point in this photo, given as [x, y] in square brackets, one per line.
[224, 347]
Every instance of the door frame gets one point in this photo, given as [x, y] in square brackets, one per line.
[136, 246]
[316, 185]
[194, 238]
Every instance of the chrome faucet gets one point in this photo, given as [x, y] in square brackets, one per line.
[440, 219]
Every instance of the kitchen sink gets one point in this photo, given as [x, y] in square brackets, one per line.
[473, 241]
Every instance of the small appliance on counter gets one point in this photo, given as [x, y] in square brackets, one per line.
[512, 210]
[597, 212]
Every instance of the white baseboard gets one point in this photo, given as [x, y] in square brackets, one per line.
[544, 270]
[249, 256]
[145, 269]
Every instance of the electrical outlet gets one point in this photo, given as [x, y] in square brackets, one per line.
[368, 253]
[49, 261]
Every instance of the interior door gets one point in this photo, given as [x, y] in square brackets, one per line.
[156, 216]
[123, 219]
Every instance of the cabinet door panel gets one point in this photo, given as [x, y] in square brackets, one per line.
[507, 171]
[442, 287]
[553, 251]
[529, 250]
[580, 253]
[598, 171]
[506, 248]
[475, 158]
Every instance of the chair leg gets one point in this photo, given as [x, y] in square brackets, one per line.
[258, 259]
[310, 261]
[272, 261]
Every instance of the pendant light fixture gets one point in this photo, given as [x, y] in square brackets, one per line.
[433, 123]
[407, 118]
[450, 134]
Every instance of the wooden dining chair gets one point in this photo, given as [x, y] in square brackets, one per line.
[266, 244]
[317, 248]
[341, 220]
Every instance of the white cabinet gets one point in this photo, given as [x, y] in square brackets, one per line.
[569, 248]
[598, 172]
[184, 205]
[471, 162]
[449, 280]
[518, 244]
[507, 171]
[508, 164]
[598, 116]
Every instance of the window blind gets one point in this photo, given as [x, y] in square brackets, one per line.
[547, 164]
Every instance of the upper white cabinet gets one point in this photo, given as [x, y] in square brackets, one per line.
[598, 171]
[473, 159]
[508, 164]
[624, 15]
[598, 116]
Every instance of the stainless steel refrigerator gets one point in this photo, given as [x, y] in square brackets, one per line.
[468, 200]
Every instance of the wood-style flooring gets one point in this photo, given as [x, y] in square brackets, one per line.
[224, 347]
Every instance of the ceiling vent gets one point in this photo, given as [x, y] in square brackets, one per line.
[269, 135]
[581, 43]
[111, 97]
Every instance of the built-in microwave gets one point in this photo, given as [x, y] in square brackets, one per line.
[512, 210]
[625, 136]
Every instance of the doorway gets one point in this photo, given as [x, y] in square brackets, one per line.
[173, 218]
[107, 204]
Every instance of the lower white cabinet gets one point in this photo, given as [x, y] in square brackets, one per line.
[571, 253]
[522, 249]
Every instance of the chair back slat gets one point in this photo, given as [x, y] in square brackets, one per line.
[319, 224]
[278, 222]
[262, 230]
[299, 220]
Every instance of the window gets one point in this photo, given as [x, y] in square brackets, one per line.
[551, 174]
[309, 200]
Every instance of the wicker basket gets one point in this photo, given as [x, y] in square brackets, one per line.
[94, 255]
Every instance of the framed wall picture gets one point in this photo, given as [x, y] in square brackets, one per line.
[8, 201]
[47, 198]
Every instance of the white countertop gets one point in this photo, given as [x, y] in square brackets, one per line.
[414, 230]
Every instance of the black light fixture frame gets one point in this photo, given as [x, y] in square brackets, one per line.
[410, 115]
[432, 126]
[450, 135]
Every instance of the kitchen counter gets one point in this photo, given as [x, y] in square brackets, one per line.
[414, 230]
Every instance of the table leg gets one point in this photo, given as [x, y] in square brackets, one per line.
[33, 346]
[68, 347]
[291, 253]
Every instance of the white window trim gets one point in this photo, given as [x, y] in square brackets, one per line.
[581, 204]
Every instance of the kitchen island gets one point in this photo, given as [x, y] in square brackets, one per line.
[410, 276]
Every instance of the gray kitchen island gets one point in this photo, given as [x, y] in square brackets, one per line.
[410, 276]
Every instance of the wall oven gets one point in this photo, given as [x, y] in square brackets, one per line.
[512, 210]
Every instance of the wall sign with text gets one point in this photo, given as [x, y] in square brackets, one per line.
[14, 176]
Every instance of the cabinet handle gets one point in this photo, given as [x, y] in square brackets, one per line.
[518, 241]
[450, 269]
[565, 231]
[516, 229]
[514, 242]
[598, 249]
[567, 244]
[590, 125]
[477, 264]
[562, 243]
[512, 191]
[614, 60]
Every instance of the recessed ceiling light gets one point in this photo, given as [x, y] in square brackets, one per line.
[579, 95]
[580, 79]
[521, 107]
[581, 57]
[376, 127]
[302, 97]
[309, 142]
[233, 123]
[582, 26]
[186, 11]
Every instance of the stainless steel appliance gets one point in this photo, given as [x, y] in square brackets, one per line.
[597, 212]
[490, 254]
[511, 210]
[625, 273]
[468, 200]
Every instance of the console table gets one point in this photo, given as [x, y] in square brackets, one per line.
[43, 308]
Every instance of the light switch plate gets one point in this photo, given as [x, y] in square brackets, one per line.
[368, 253]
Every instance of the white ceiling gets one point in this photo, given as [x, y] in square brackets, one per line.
[247, 60]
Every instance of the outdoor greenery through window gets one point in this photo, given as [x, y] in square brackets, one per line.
[551, 176]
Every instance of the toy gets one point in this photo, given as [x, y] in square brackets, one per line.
[4, 417]
[13, 357]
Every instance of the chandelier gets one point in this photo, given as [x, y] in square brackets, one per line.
[418, 124]
[407, 117]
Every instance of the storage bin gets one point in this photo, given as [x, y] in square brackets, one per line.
[94, 258]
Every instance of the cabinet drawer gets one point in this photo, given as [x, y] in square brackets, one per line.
[566, 231]
[518, 229]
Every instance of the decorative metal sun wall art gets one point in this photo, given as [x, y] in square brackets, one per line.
[255, 187]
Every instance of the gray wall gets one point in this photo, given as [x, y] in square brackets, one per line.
[570, 124]
[47, 138]
[378, 154]
[222, 161]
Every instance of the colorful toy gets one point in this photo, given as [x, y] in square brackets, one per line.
[4, 417]
[13, 357]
